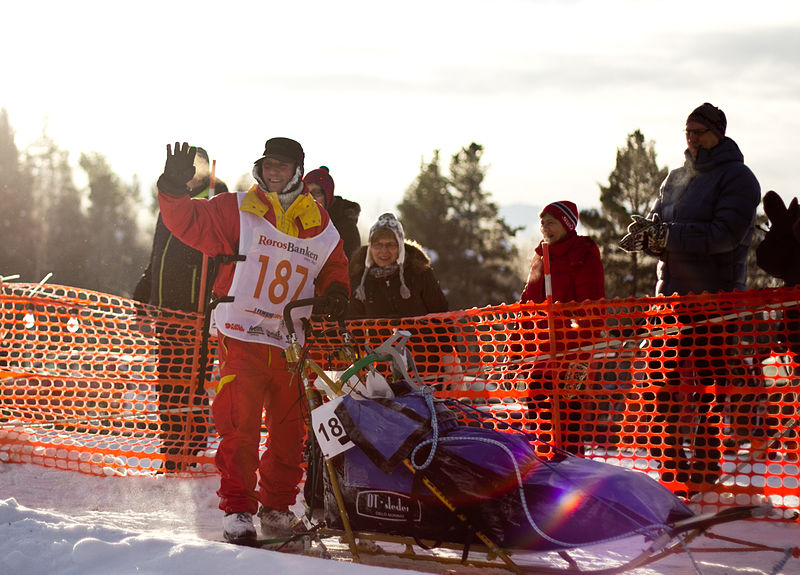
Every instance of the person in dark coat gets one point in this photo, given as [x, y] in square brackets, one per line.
[172, 276]
[171, 280]
[700, 229]
[779, 255]
[703, 221]
[344, 213]
[392, 276]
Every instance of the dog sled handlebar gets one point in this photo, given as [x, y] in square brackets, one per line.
[393, 349]
[304, 302]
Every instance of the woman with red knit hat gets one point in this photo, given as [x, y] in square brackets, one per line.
[575, 267]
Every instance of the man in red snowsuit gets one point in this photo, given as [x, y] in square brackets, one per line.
[287, 249]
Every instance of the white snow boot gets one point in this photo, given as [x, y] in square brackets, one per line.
[276, 523]
[238, 527]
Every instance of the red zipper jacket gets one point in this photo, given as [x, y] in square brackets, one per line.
[576, 271]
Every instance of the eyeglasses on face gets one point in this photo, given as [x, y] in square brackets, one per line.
[388, 245]
[697, 132]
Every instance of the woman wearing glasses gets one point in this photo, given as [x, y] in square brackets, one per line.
[392, 276]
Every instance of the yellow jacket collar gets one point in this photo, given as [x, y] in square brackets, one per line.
[303, 210]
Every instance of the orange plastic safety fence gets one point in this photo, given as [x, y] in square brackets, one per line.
[100, 384]
[699, 392]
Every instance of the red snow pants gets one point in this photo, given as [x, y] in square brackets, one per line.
[253, 376]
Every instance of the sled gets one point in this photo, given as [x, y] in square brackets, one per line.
[434, 481]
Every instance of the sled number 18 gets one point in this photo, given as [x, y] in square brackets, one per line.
[335, 427]
[328, 429]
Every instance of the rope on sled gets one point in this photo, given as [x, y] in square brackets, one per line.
[427, 393]
[690, 554]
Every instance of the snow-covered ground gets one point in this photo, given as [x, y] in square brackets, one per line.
[62, 522]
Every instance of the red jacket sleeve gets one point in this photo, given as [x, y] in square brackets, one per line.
[210, 226]
[335, 270]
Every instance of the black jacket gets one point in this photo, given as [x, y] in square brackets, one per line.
[710, 206]
[172, 276]
[344, 215]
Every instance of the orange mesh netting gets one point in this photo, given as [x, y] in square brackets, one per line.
[90, 381]
[699, 392]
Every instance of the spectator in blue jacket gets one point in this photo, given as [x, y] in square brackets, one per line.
[703, 221]
[700, 229]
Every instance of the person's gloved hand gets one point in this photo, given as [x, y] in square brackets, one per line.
[336, 306]
[636, 238]
[178, 170]
[633, 242]
[781, 218]
[645, 234]
[656, 233]
[774, 254]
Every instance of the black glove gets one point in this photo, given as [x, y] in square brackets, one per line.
[775, 253]
[336, 306]
[633, 241]
[178, 170]
[781, 218]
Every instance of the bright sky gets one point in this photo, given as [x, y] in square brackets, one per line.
[550, 88]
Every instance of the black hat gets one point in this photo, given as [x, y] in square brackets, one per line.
[285, 150]
[711, 117]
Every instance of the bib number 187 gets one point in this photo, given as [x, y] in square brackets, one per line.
[282, 277]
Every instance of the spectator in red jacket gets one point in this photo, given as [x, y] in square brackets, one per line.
[576, 274]
[575, 267]
[282, 247]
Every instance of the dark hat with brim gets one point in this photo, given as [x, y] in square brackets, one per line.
[285, 150]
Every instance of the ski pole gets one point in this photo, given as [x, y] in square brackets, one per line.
[201, 304]
[551, 332]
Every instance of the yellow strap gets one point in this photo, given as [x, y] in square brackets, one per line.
[230, 377]
[224, 380]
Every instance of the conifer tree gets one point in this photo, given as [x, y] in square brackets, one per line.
[59, 216]
[117, 249]
[632, 188]
[17, 233]
[424, 209]
[455, 220]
